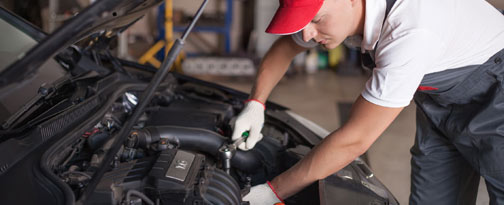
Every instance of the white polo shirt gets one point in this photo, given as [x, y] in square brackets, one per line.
[421, 37]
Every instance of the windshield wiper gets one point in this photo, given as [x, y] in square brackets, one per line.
[43, 92]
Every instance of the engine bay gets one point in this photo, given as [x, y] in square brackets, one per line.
[179, 152]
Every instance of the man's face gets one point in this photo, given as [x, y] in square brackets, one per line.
[333, 23]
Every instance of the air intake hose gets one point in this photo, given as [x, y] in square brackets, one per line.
[199, 140]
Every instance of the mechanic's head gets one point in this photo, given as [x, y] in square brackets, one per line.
[328, 22]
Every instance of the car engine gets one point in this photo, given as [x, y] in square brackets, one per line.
[179, 152]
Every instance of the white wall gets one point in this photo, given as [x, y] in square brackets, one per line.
[264, 11]
[191, 6]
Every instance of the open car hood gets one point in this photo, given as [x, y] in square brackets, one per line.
[108, 16]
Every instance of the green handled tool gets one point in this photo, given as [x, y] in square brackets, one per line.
[227, 151]
[242, 139]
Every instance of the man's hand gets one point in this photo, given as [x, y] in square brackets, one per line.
[250, 119]
[262, 194]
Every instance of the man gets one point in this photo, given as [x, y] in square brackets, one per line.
[445, 54]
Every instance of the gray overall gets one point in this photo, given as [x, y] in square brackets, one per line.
[460, 133]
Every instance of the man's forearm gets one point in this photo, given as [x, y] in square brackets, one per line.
[367, 121]
[329, 156]
[273, 66]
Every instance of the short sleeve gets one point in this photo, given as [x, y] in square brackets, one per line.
[401, 62]
[298, 38]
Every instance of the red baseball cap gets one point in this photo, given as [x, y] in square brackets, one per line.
[293, 15]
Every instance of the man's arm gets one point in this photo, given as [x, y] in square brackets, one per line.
[366, 123]
[274, 65]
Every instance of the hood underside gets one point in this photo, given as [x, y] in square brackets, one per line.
[104, 16]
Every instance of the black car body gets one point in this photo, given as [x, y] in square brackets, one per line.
[65, 106]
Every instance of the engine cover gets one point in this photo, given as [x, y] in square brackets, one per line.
[182, 177]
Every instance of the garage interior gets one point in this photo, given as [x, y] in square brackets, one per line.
[226, 48]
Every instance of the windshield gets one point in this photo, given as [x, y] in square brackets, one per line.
[13, 44]
[16, 38]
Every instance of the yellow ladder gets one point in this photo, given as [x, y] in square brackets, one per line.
[149, 56]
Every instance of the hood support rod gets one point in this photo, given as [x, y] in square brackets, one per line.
[145, 98]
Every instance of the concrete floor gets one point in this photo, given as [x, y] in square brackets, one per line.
[316, 96]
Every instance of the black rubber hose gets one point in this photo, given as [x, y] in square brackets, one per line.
[230, 185]
[205, 141]
[219, 190]
[97, 140]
